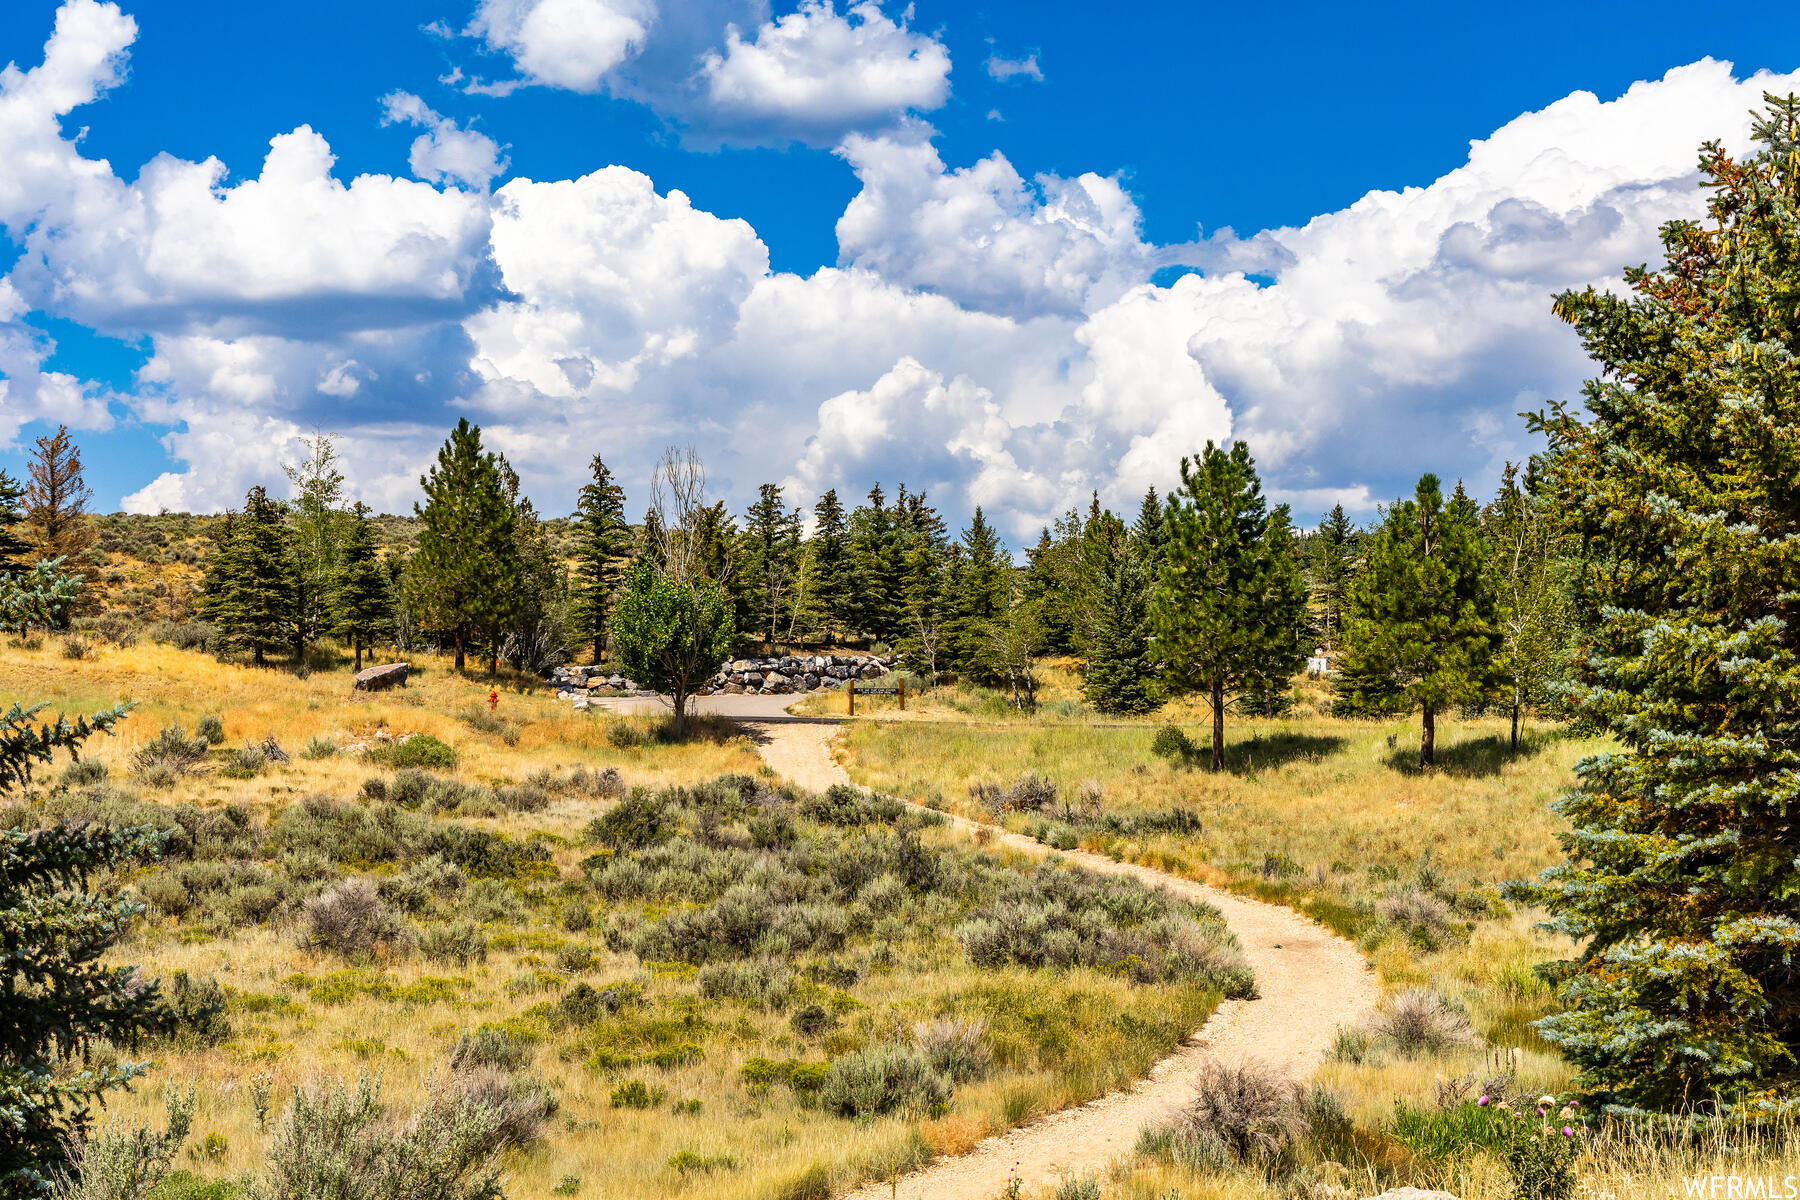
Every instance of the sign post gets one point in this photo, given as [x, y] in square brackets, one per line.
[853, 695]
[877, 691]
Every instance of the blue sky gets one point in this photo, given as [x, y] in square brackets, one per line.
[942, 243]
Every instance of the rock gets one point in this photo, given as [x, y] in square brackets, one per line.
[809, 682]
[871, 672]
[580, 705]
[375, 679]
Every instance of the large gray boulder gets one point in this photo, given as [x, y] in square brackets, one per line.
[375, 679]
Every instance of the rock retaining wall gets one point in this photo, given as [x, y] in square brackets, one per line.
[758, 676]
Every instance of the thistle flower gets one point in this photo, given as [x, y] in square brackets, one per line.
[1482, 1103]
[1546, 1101]
[1568, 1132]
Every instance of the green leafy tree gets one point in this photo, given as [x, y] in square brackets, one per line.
[13, 545]
[317, 523]
[58, 1003]
[1528, 575]
[825, 587]
[602, 547]
[1676, 475]
[1225, 607]
[362, 601]
[1422, 619]
[253, 604]
[1121, 667]
[672, 633]
[466, 563]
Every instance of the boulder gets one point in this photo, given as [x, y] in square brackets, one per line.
[871, 672]
[809, 682]
[375, 679]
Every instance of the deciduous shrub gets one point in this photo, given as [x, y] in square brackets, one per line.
[419, 750]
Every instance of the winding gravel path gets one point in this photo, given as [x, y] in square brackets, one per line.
[1310, 982]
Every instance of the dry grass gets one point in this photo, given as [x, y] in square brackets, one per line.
[1058, 1038]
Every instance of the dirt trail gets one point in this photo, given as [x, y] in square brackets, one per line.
[1311, 981]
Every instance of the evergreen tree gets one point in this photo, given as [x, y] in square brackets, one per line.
[1268, 684]
[254, 602]
[536, 626]
[466, 558]
[63, 1014]
[1421, 618]
[980, 594]
[57, 496]
[13, 546]
[361, 601]
[316, 520]
[1148, 534]
[872, 560]
[1224, 608]
[827, 582]
[1533, 609]
[926, 607]
[771, 561]
[1331, 562]
[1121, 670]
[602, 546]
[1676, 475]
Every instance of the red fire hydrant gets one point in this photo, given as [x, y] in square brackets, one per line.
[493, 699]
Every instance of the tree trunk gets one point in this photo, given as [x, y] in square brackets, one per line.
[356, 644]
[459, 652]
[493, 661]
[1515, 723]
[678, 696]
[256, 656]
[1428, 740]
[1218, 707]
[599, 647]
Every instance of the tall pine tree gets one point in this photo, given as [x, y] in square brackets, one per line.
[57, 497]
[980, 594]
[13, 546]
[1331, 568]
[466, 557]
[825, 608]
[1229, 586]
[602, 547]
[1676, 474]
[771, 562]
[1533, 608]
[1121, 672]
[361, 604]
[255, 599]
[1421, 622]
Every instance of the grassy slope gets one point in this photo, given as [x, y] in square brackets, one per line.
[1061, 1038]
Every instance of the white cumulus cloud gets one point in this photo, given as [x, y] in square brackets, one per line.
[571, 44]
[445, 152]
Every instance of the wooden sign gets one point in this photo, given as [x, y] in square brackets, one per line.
[883, 691]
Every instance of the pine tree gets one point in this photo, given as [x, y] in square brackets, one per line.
[1121, 669]
[13, 546]
[871, 559]
[771, 561]
[536, 629]
[57, 496]
[316, 520]
[602, 546]
[1148, 533]
[254, 603]
[1676, 475]
[1268, 685]
[1224, 608]
[63, 1014]
[361, 602]
[466, 560]
[1422, 616]
[1331, 563]
[826, 585]
[980, 592]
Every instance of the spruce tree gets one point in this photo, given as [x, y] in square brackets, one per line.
[1421, 622]
[1121, 672]
[63, 1014]
[1148, 533]
[466, 560]
[1331, 568]
[361, 603]
[1676, 476]
[1224, 609]
[602, 546]
[13, 546]
[535, 627]
[871, 559]
[57, 496]
[771, 561]
[980, 594]
[1267, 690]
[826, 586]
[254, 604]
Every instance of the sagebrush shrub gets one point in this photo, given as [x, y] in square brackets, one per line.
[956, 1047]
[1420, 1021]
[1254, 1111]
[883, 1079]
[351, 919]
[173, 750]
[210, 729]
[461, 944]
